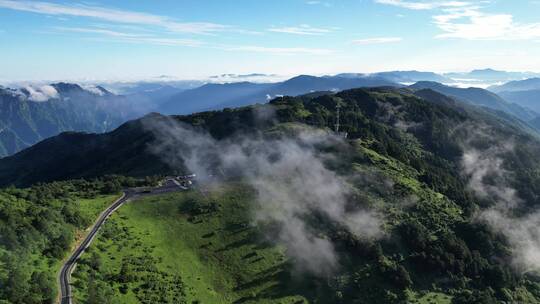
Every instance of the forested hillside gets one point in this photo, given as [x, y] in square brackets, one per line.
[417, 198]
[482, 98]
[38, 225]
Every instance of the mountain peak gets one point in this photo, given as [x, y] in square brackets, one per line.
[301, 79]
[303, 76]
[488, 70]
[64, 87]
[102, 89]
[97, 90]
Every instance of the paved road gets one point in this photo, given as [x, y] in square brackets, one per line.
[170, 185]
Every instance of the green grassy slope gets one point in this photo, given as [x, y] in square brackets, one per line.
[91, 208]
[197, 248]
[38, 228]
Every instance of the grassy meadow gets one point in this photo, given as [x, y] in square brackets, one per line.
[190, 246]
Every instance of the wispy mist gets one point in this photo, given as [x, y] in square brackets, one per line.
[483, 164]
[290, 177]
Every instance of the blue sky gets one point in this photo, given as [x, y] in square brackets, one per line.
[125, 39]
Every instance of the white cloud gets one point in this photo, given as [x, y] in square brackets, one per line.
[93, 89]
[130, 37]
[424, 5]
[303, 29]
[290, 182]
[42, 93]
[133, 38]
[278, 50]
[101, 31]
[115, 15]
[472, 24]
[252, 77]
[489, 178]
[466, 20]
[379, 40]
[323, 3]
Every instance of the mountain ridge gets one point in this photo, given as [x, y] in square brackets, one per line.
[479, 97]
[251, 93]
[134, 137]
[57, 105]
[517, 85]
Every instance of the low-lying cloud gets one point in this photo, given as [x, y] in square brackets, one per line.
[42, 93]
[479, 165]
[488, 178]
[292, 183]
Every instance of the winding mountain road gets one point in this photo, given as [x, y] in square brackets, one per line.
[170, 185]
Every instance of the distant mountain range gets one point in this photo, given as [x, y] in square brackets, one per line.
[523, 92]
[215, 96]
[479, 97]
[218, 96]
[33, 113]
[413, 76]
[146, 86]
[473, 78]
[517, 85]
[30, 114]
[126, 149]
[491, 75]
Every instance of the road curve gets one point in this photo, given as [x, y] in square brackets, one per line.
[69, 265]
